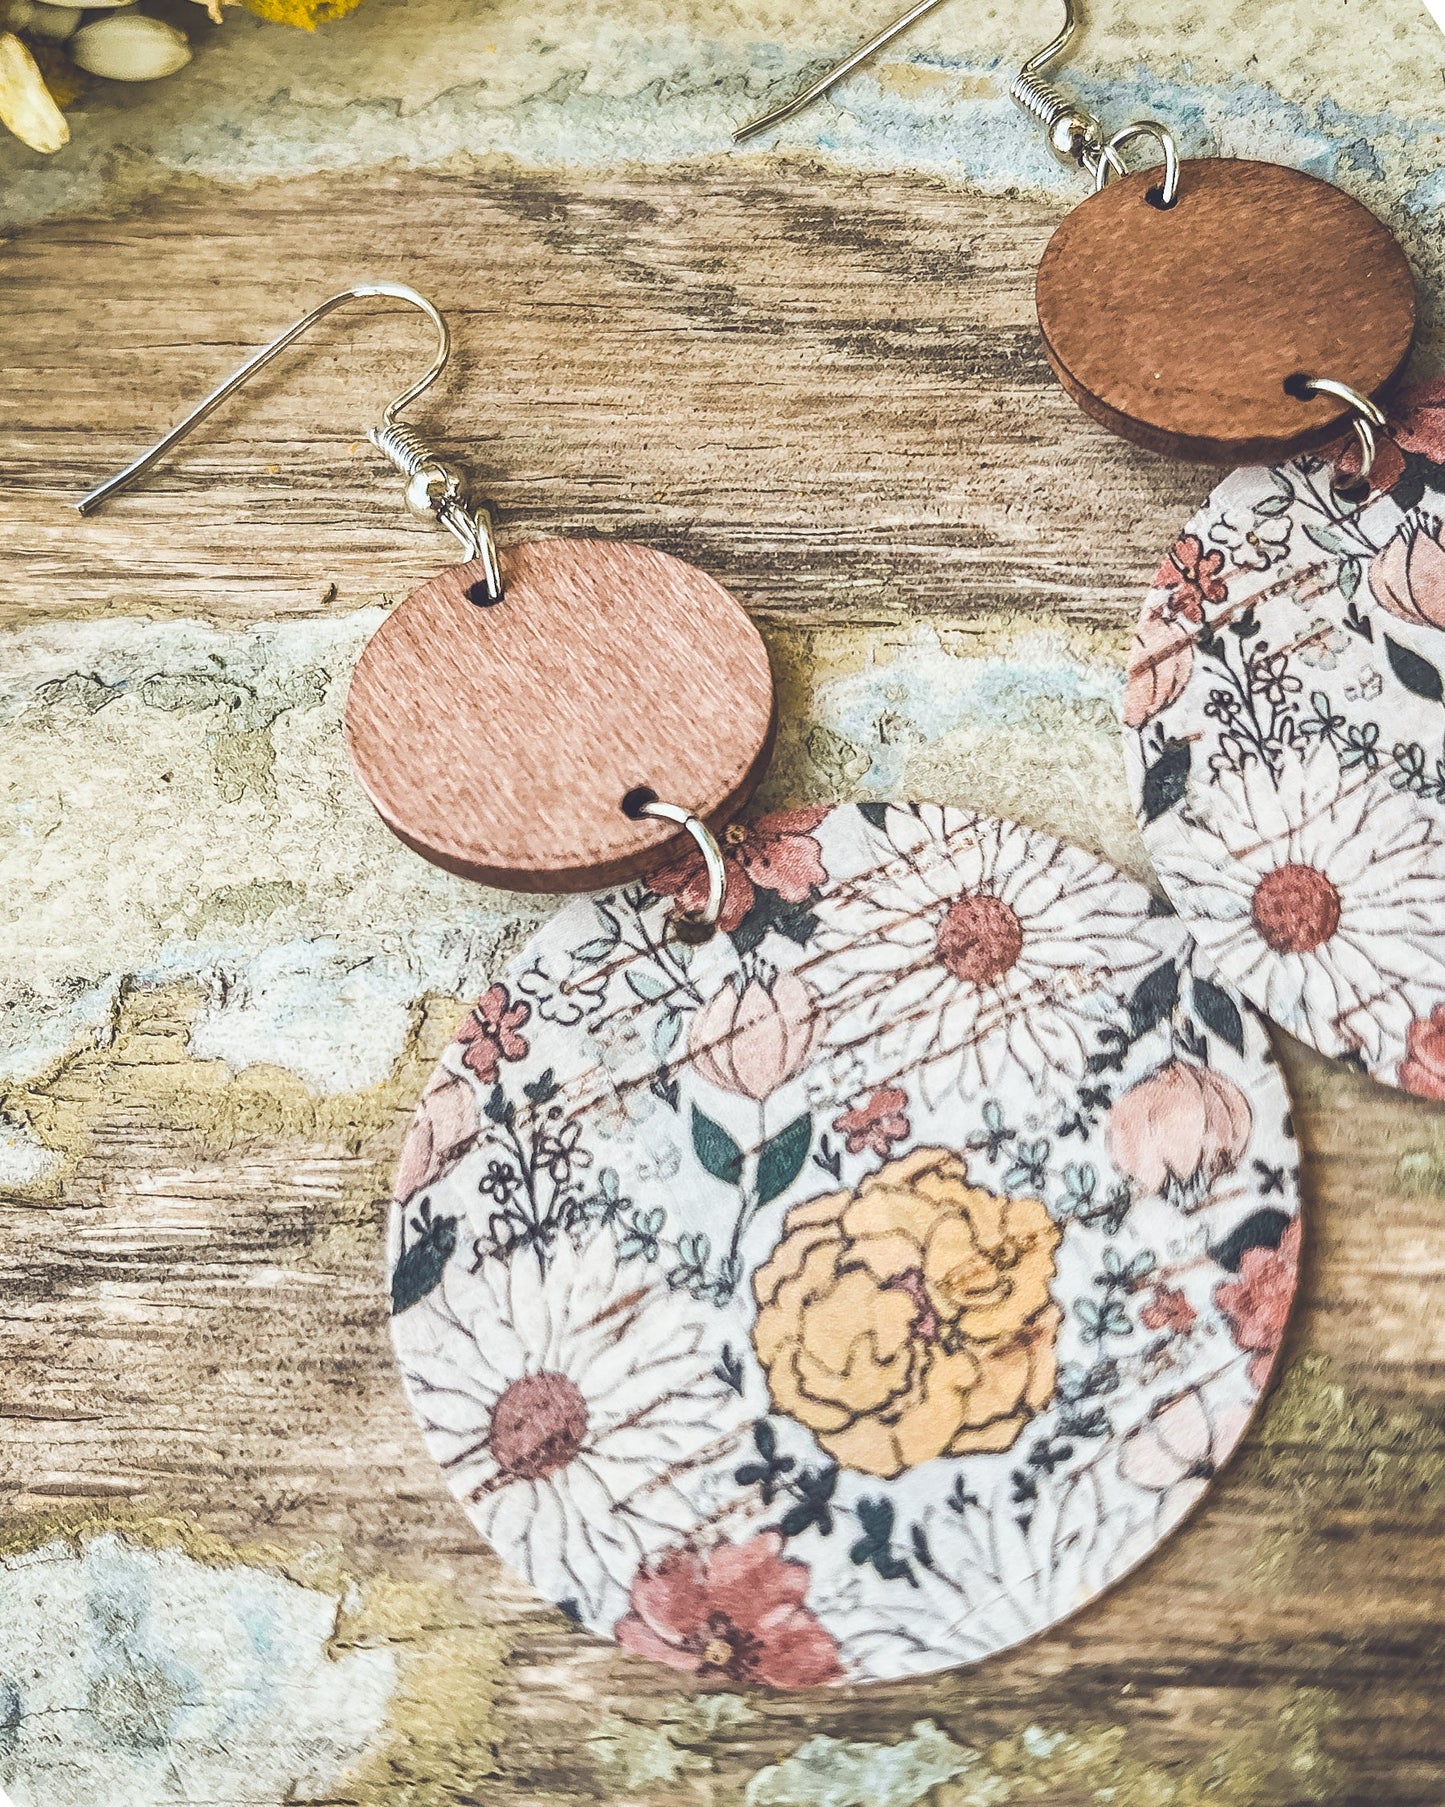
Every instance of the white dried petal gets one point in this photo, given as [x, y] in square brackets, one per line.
[130, 47]
[27, 106]
[44, 21]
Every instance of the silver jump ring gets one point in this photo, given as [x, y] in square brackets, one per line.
[1110, 162]
[712, 858]
[1369, 419]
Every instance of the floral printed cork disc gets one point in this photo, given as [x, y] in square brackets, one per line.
[1285, 734]
[866, 1288]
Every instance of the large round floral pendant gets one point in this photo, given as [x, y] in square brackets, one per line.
[1285, 735]
[860, 1291]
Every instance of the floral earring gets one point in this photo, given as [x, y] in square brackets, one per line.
[1284, 740]
[836, 1246]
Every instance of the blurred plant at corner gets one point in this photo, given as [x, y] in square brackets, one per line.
[49, 53]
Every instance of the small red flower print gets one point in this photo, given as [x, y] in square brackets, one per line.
[1257, 1303]
[1420, 425]
[1191, 576]
[736, 1610]
[877, 1124]
[1418, 428]
[776, 853]
[490, 1036]
[1422, 1071]
[1169, 1311]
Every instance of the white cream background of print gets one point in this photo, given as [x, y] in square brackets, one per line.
[133, 1677]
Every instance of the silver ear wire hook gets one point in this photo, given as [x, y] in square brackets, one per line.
[435, 490]
[1074, 136]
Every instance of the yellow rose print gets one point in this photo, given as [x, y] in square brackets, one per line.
[910, 1319]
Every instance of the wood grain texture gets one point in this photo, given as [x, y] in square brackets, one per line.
[829, 393]
[500, 742]
[1179, 327]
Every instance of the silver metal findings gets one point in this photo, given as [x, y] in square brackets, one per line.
[435, 490]
[1074, 135]
[1369, 421]
[707, 845]
[1110, 163]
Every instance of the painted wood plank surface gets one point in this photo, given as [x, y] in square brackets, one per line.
[826, 389]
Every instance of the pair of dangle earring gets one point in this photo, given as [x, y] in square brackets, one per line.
[839, 1243]
[1284, 734]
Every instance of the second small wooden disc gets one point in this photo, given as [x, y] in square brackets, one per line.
[500, 742]
[1180, 327]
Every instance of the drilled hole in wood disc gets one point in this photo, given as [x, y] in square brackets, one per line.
[500, 742]
[1179, 327]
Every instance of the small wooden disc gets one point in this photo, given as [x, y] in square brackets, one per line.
[1179, 327]
[500, 742]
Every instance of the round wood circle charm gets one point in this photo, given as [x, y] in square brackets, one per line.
[500, 742]
[1180, 327]
[865, 1289]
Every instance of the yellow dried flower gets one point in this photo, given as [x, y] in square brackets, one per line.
[308, 14]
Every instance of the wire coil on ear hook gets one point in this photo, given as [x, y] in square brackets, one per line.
[1075, 136]
[435, 490]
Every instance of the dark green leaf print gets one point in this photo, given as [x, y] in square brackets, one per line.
[420, 1267]
[1416, 674]
[1218, 1013]
[715, 1148]
[1154, 998]
[1166, 781]
[781, 1158]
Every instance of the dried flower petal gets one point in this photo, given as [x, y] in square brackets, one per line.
[27, 106]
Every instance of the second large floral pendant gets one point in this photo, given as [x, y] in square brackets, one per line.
[861, 1291]
[1285, 738]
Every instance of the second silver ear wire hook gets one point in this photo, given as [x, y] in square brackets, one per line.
[435, 490]
[1074, 136]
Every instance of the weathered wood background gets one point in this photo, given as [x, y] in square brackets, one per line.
[826, 388]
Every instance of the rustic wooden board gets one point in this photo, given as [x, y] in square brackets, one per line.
[828, 392]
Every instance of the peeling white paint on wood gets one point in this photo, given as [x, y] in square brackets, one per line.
[135, 1677]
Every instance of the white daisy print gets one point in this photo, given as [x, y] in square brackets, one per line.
[567, 1411]
[1319, 896]
[975, 947]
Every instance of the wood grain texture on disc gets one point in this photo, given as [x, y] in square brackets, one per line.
[500, 742]
[1179, 327]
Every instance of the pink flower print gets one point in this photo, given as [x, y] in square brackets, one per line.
[490, 1036]
[444, 1127]
[1422, 1071]
[1257, 1303]
[753, 1038]
[1169, 1310]
[1178, 1449]
[1178, 1131]
[776, 853]
[1191, 576]
[734, 1611]
[876, 1124]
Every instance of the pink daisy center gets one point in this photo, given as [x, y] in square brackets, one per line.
[538, 1425]
[980, 939]
[1296, 909]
